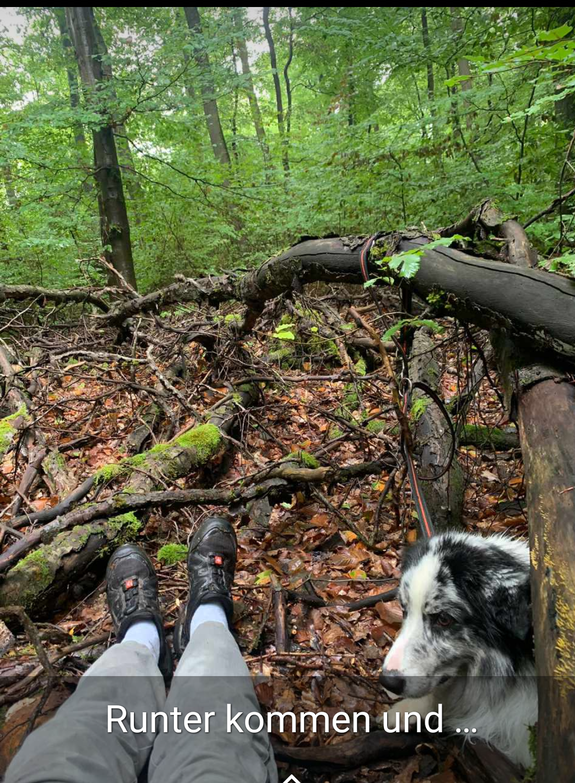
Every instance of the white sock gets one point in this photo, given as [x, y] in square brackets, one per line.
[212, 611]
[144, 632]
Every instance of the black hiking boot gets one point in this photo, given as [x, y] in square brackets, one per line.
[211, 567]
[132, 589]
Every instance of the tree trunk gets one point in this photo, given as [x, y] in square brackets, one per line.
[462, 64]
[125, 158]
[289, 96]
[277, 88]
[444, 495]
[547, 429]
[249, 86]
[429, 63]
[207, 87]
[544, 400]
[114, 225]
[73, 86]
[11, 195]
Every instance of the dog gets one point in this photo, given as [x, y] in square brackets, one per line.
[466, 640]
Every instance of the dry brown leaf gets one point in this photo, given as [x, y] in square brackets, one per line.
[390, 612]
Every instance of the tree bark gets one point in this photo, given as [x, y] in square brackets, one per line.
[249, 86]
[114, 225]
[277, 89]
[207, 87]
[547, 429]
[289, 95]
[11, 195]
[73, 86]
[428, 61]
[543, 398]
[462, 64]
[444, 495]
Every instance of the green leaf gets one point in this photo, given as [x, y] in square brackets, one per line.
[555, 34]
[412, 322]
[283, 332]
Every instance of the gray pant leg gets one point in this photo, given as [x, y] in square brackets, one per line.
[211, 675]
[75, 746]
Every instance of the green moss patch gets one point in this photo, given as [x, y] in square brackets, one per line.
[8, 428]
[304, 457]
[419, 407]
[205, 440]
[170, 554]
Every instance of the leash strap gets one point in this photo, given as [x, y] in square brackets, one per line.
[421, 507]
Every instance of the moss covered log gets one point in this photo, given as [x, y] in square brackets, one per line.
[489, 437]
[61, 558]
[33, 581]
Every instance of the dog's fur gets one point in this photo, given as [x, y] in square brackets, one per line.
[467, 640]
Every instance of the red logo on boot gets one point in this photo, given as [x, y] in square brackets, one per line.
[218, 560]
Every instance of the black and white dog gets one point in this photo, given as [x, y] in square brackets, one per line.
[467, 641]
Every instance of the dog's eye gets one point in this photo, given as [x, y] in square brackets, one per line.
[443, 620]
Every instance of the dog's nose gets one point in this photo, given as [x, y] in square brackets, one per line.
[392, 681]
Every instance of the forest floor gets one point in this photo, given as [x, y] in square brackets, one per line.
[334, 655]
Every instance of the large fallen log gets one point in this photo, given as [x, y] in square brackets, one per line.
[536, 307]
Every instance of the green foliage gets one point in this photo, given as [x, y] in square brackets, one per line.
[406, 264]
[564, 263]
[371, 146]
[170, 554]
[375, 426]
[127, 525]
[420, 405]
[414, 323]
[307, 460]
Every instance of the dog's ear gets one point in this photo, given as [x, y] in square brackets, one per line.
[511, 608]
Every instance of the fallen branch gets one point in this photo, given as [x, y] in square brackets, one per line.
[479, 761]
[551, 208]
[125, 502]
[32, 634]
[353, 606]
[20, 293]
